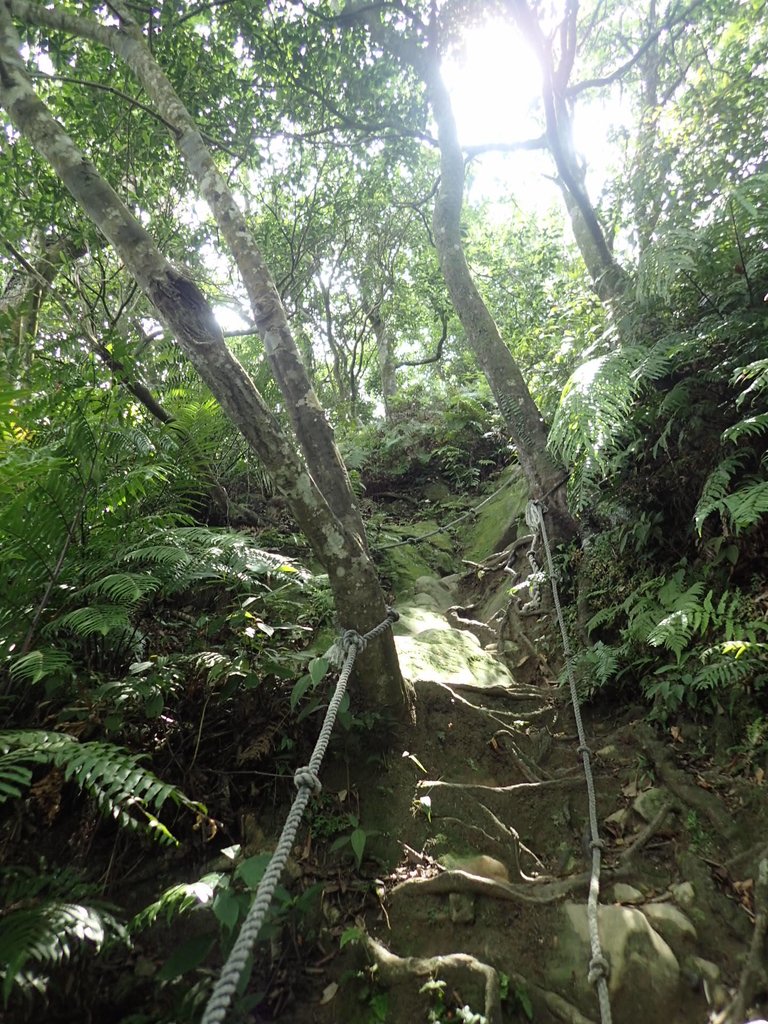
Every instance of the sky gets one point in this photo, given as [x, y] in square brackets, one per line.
[495, 85]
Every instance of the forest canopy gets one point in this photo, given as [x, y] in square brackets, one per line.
[260, 275]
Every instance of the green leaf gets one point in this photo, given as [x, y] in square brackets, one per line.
[358, 840]
[226, 907]
[252, 870]
[186, 957]
[317, 669]
[299, 689]
[154, 705]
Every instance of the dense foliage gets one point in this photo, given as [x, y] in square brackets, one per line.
[153, 588]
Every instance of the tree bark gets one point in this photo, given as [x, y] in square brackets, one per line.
[609, 280]
[314, 432]
[386, 358]
[522, 418]
[179, 303]
[20, 301]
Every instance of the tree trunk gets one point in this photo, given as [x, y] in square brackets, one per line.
[180, 304]
[521, 416]
[609, 280]
[386, 357]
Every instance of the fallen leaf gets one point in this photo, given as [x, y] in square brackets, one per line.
[329, 992]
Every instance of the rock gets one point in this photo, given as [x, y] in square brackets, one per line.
[648, 803]
[477, 864]
[462, 907]
[645, 978]
[415, 619]
[496, 523]
[405, 565]
[683, 894]
[671, 924]
[619, 818]
[624, 893]
[437, 491]
[609, 753]
[442, 593]
[424, 601]
[705, 970]
[451, 656]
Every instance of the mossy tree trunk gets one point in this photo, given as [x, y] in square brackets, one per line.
[317, 488]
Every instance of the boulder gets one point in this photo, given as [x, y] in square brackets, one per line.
[641, 962]
[451, 656]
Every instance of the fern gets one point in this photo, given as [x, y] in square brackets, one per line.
[49, 933]
[115, 779]
[94, 619]
[39, 664]
[49, 916]
[752, 426]
[124, 588]
[716, 487]
[177, 900]
[592, 415]
[748, 504]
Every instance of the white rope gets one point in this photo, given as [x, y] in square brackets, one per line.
[307, 782]
[598, 965]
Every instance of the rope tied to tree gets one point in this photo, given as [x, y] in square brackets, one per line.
[307, 783]
[599, 967]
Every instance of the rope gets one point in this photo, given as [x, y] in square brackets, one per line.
[442, 529]
[598, 965]
[307, 783]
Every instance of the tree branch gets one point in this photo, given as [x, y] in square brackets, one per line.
[540, 142]
[669, 22]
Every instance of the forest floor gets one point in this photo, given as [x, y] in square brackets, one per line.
[465, 897]
[490, 763]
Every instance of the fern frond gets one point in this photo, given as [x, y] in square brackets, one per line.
[593, 411]
[748, 504]
[716, 487]
[126, 588]
[37, 665]
[49, 934]
[94, 619]
[121, 786]
[751, 427]
[177, 900]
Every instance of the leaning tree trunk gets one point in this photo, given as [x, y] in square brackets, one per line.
[520, 413]
[179, 303]
[608, 278]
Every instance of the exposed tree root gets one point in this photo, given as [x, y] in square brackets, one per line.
[645, 835]
[539, 890]
[676, 781]
[562, 1009]
[503, 849]
[527, 767]
[517, 692]
[393, 969]
[754, 975]
[567, 781]
[758, 851]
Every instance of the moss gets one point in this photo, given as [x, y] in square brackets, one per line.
[496, 522]
[449, 656]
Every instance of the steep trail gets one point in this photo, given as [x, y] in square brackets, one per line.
[483, 918]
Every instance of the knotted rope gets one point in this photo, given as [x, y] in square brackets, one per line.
[307, 783]
[598, 965]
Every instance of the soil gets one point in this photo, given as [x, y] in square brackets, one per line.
[493, 764]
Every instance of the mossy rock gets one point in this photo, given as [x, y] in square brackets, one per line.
[441, 541]
[449, 656]
[404, 565]
[496, 524]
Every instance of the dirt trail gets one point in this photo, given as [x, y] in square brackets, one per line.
[482, 919]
